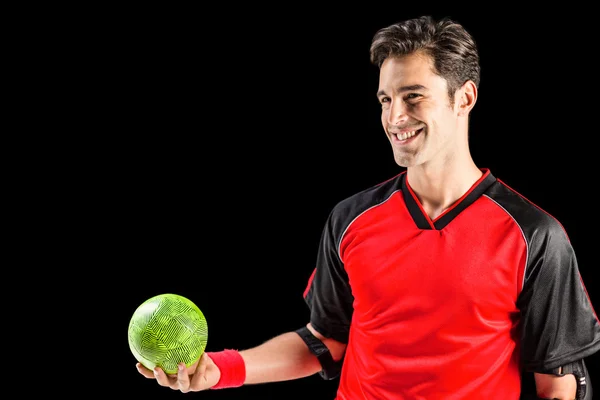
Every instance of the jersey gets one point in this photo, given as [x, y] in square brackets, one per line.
[457, 307]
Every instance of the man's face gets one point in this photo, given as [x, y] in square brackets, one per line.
[416, 113]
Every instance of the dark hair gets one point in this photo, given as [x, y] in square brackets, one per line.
[452, 49]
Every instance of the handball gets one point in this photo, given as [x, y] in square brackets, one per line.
[166, 330]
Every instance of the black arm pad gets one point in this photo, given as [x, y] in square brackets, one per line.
[330, 368]
[577, 368]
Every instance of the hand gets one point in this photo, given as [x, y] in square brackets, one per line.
[202, 375]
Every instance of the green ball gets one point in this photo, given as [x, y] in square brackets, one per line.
[165, 330]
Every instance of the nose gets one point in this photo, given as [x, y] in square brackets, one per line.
[397, 113]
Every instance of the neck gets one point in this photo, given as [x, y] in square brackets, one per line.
[439, 187]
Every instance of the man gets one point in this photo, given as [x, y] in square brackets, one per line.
[440, 283]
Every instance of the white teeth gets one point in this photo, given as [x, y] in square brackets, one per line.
[405, 135]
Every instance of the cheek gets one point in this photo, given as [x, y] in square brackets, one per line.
[385, 113]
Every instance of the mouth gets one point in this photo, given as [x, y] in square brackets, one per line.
[405, 136]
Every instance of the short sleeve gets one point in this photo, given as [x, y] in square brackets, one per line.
[328, 294]
[558, 322]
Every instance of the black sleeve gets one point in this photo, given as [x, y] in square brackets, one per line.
[328, 294]
[558, 322]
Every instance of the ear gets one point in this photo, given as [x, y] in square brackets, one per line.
[467, 96]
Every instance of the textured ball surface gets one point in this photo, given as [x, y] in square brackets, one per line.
[167, 329]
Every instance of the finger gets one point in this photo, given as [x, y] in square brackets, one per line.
[199, 379]
[183, 379]
[145, 371]
[163, 379]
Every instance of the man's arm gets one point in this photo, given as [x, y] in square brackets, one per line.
[286, 357]
[556, 387]
[570, 381]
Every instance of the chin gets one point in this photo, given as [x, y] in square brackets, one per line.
[405, 162]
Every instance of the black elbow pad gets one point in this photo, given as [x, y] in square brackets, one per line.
[330, 369]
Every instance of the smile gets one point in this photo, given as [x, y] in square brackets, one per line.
[401, 137]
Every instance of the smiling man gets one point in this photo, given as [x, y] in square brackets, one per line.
[439, 283]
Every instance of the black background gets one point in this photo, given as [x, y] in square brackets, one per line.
[220, 141]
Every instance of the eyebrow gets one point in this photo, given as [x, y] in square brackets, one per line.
[401, 89]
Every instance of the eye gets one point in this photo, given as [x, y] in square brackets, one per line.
[412, 96]
[384, 100]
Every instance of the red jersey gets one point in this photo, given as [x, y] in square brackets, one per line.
[453, 308]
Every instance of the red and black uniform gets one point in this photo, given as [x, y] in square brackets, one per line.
[452, 308]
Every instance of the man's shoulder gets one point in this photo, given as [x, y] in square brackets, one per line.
[529, 215]
[371, 196]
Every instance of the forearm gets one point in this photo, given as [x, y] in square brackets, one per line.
[282, 358]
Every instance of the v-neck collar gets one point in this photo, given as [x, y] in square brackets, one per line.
[421, 218]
